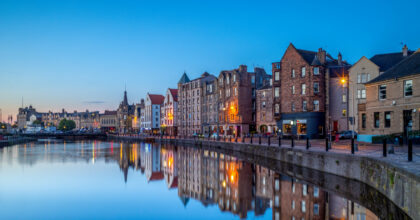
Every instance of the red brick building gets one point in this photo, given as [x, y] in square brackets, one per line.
[300, 85]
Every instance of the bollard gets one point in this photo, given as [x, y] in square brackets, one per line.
[236, 139]
[384, 152]
[269, 140]
[410, 150]
[293, 142]
[259, 140]
[307, 143]
[251, 138]
[279, 141]
[243, 139]
[326, 144]
[352, 146]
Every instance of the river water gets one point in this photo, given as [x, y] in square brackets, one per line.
[120, 180]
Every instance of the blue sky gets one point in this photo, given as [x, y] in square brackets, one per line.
[79, 55]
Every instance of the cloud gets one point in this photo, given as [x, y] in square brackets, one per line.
[93, 102]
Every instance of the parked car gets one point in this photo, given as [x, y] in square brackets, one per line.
[347, 134]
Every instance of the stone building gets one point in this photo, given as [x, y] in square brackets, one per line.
[392, 101]
[125, 113]
[209, 105]
[338, 98]
[265, 110]
[108, 121]
[168, 112]
[190, 103]
[152, 113]
[365, 70]
[300, 90]
[237, 94]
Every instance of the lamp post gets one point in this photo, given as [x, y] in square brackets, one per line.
[347, 82]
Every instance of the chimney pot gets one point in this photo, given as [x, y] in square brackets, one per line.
[405, 50]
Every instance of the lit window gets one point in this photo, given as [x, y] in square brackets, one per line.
[344, 112]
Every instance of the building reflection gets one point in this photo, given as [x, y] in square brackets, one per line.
[213, 178]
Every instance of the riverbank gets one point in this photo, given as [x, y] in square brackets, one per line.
[393, 176]
[16, 140]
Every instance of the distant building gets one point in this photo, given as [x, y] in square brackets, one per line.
[125, 113]
[168, 112]
[365, 70]
[136, 119]
[392, 101]
[209, 106]
[152, 113]
[109, 121]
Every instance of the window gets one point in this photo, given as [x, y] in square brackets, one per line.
[227, 80]
[344, 98]
[316, 105]
[277, 185]
[276, 76]
[276, 201]
[304, 107]
[382, 92]
[293, 107]
[303, 89]
[277, 92]
[316, 192]
[253, 79]
[293, 204]
[236, 91]
[316, 209]
[316, 70]
[303, 71]
[387, 119]
[263, 104]
[316, 87]
[304, 189]
[344, 112]
[303, 206]
[376, 119]
[277, 108]
[293, 89]
[408, 88]
[293, 73]
[234, 77]
[263, 94]
[363, 93]
[363, 120]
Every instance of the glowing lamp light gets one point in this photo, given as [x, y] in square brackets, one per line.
[224, 184]
[343, 80]
[232, 178]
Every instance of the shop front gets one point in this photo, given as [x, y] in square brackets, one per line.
[308, 124]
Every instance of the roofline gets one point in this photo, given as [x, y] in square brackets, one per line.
[360, 60]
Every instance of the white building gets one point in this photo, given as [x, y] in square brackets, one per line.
[168, 112]
[151, 120]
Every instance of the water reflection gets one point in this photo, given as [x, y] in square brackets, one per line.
[213, 178]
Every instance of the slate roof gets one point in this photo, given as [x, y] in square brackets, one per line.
[307, 55]
[174, 93]
[339, 71]
[407, 67]
[388, 60]
[156, 99]
[184, 79]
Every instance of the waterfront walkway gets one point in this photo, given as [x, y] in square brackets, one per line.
[399, 158]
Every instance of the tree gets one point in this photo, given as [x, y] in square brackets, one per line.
[66, 125]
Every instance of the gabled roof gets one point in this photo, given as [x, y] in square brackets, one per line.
[307, 55]
[363, 58]
[156, 99]
[174, 93]
[407, 67]
[184, 79]
[388, 60]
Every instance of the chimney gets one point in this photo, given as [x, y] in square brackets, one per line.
[242, 68]
[322, 56]
[339, 59]
[405, 51]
